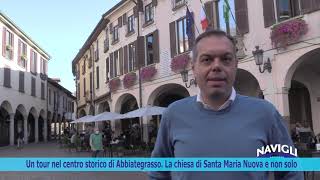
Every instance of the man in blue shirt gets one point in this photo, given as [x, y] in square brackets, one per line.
[218, 122]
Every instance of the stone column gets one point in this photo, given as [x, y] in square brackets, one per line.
[45, 130]
[59, 133]
[12, 129]
[145, 129]
[282, 104]
[25, 127]
[55, 127]
[36, 129]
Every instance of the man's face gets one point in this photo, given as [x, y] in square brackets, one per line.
[215, 66]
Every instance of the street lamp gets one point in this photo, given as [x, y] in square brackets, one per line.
[258, 58]
[184, 75]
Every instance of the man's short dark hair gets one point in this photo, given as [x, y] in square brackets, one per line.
[208, 33]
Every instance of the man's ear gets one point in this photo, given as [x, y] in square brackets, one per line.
[192, 64]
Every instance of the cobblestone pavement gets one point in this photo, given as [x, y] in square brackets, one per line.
[52, 149]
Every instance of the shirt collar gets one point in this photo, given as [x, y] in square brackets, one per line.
[226, 104]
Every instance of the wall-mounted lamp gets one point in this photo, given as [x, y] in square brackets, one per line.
[184, 75]
[258, 58]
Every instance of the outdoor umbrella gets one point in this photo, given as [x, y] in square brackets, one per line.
[83, 119]
[106, 116]
[144, 111]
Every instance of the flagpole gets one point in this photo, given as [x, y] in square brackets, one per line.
[234, 19]
[193, 20]
[204, 10]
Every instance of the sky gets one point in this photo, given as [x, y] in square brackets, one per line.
[60, 27]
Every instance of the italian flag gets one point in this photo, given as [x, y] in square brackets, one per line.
[203, 20]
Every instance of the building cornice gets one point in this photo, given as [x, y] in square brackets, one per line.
[13, 27]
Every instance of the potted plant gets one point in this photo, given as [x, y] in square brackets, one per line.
[147, 73]
[288, 32]
[129, 79]
[23, 57]
[180, 63]
[114, 84]
[8, 47]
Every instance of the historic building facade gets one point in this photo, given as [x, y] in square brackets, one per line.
[61, 104]
[23, 84]
[149, 38]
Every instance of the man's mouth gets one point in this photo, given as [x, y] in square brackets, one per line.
[216, 81]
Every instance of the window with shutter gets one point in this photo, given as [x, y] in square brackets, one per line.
[42, 90]
[22, 54]
[130, 25]
[124, 18]
[33, 62]
[125, 59]
[21, 81]
[150, 49]
[156, 46]
[140, 55]
[84, 87]
[33, 86]
[121, 61]
[97, 71]
[107, 70]
[182, 37]
[96, 51]
[176, 4]
[116, 63]
[7, 78]
[8, 44]
[173, 48]
[115, 34]
[91, 82]
[131, 57]
[241, 11]
[268, 13]
[149, 13]
[49, 96]
[287, 9]
[120, 21]
[111, 66]
[78, 91]
[106, 42]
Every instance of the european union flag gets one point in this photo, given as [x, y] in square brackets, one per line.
[190, 24]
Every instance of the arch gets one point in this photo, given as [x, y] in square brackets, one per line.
[103, 107]
[82, 113]
[19, 117]
[41, 125]
[294, 66]
[302, 80]
[22, 110]
[91, 110]
[31, 128]
[163, 96]
[7, 106]
[33, 112]
[121, 99]
[247, 84]
[177, 92]
[5, 111]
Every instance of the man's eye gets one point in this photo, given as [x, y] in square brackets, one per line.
[227, 58]
[205, 59]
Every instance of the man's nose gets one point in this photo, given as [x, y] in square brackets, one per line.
[216, 64]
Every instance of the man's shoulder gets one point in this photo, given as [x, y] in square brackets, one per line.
[182, 103]
[253, 102]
